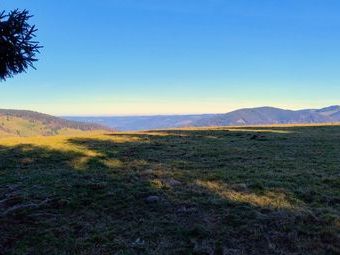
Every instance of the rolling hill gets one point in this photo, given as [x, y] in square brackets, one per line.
[271, 115]
[29, 123]
[248, 116]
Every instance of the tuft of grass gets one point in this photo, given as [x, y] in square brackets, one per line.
[235, 190]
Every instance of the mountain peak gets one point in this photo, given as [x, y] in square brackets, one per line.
[330, 108]
[331, 111]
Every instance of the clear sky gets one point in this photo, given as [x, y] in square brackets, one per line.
[110, 57]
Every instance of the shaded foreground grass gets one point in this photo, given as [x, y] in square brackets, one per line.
[261, 190]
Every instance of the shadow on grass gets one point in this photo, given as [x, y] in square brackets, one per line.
[170, 192]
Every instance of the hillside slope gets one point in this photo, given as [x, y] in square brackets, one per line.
[269, 115]
[28, 123]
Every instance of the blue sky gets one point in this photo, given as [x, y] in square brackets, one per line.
[123, 57]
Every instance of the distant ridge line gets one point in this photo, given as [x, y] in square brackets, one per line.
[243, 117]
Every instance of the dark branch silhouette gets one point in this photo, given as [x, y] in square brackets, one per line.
[17, 46]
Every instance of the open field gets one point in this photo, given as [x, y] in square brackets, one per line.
[255, 190]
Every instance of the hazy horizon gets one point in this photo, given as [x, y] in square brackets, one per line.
[168, 114]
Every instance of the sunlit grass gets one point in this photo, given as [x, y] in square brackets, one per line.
[267, 199]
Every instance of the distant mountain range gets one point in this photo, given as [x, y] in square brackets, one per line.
[247, 116]
[28, 123]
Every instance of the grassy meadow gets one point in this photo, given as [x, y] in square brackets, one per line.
[250, 190]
